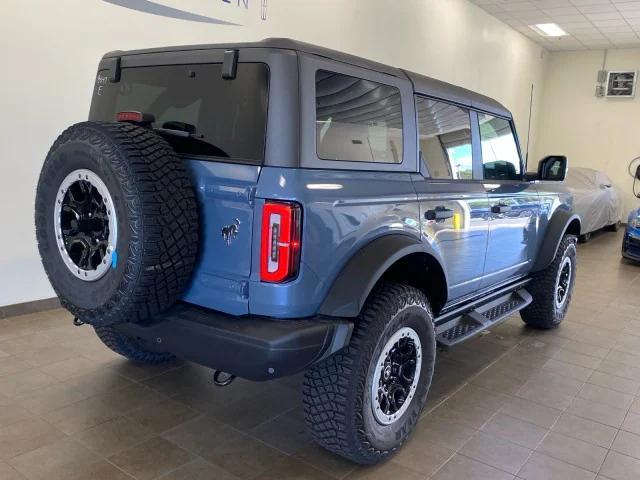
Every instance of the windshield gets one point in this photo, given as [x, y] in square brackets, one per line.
[196, 110]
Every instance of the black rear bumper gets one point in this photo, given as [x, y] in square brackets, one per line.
[255, 348]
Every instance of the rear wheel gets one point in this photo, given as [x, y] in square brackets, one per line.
[552, 288]
[364, 401]
[130, 348]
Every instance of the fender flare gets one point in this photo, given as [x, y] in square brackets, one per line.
[556, 229]
[357, 278]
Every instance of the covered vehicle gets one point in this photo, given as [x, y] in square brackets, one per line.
[596, 200]
[631, 241]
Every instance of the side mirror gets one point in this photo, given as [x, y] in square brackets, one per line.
[553, 168]
[638, 173]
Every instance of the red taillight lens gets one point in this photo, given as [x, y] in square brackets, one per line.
[280, 241]
[140, 118]
[129, 117]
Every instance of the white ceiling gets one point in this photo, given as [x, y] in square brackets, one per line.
[591, 24]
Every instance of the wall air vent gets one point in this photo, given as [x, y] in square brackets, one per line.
[621, 84]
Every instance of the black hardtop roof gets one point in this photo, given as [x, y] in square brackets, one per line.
[422, 84]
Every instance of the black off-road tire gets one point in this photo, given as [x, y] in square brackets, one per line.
[543, 312]
[157, 222]
[130, 348]
[337, 399]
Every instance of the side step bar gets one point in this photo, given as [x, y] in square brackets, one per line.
[473, 322]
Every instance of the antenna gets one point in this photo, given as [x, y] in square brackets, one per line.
[526, 158]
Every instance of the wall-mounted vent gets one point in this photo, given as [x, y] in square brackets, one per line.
[621, 84]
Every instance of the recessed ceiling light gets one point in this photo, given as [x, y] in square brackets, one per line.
[548, 30]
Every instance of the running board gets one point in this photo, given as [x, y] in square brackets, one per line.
[484, 316]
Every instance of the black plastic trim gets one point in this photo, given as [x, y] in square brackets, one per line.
[114, 65]
[555, 231]
[479, 298]
[251, 347]
[358, 277]
[230, 64]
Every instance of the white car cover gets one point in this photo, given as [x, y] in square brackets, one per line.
[596, 200]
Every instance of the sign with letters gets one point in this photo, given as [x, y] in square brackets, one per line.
[217, 12]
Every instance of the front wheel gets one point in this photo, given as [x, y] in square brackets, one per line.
[552, 288]
[364, 401]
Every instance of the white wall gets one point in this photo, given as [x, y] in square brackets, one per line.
[51, 50]
[600, 133]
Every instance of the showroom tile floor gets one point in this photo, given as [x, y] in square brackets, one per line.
[514, 403]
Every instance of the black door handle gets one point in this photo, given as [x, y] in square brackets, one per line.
[438, 213]
[500, 208]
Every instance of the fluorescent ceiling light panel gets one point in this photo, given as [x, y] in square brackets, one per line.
[548, 30]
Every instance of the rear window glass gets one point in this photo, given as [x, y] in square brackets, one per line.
[197, 111]
[357, 120]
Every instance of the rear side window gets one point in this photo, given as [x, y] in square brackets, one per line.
[445, 139]
[357, 120]
[500, 157]
[197, 111]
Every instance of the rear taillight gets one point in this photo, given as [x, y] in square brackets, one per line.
[139, 118]
[280, 241]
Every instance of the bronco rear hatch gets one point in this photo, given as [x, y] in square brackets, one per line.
[214, 115]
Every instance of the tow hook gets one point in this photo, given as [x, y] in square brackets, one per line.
[222, 379]
[77, 322]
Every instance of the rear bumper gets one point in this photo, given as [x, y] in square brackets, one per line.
[255, 348]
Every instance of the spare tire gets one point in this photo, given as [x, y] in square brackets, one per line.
[116, 222]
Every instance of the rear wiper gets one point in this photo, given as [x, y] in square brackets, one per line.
[178, 133]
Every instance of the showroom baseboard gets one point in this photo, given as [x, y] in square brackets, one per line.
[29, 307]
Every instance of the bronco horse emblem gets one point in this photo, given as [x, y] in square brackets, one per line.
[230, 232]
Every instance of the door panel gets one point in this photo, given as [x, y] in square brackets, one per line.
[513, 227]
[454, 209]
[514, 204]
[454, 220]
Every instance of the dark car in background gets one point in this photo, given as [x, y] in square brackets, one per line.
[631, 240]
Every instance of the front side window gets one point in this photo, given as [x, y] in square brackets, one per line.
[357, 120]
[444, 132]
[500, 157]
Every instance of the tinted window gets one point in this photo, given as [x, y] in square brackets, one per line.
[500, 157]
[357, 120]
[445, 139]
[216, 117]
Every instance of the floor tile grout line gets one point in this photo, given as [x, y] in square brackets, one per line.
[617, 433]
[551, 429]
[464, 384]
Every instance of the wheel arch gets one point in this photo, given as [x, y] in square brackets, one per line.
[397, 258]
[562, 222]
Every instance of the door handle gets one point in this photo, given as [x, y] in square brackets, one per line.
[438, 213]
[500, 208]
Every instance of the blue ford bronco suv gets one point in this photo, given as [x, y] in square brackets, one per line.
[269, 208]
